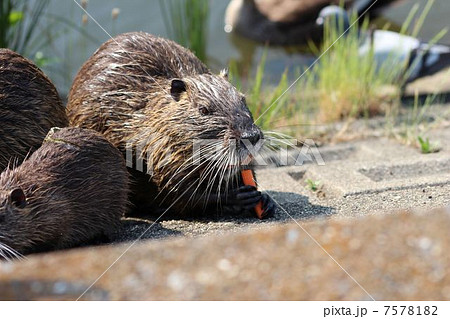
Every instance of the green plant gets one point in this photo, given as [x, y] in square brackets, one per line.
[260, 96]
[426, 146]
[312, 185]
[345, 84]
[187, 23]
[18, 24]
[415, 120]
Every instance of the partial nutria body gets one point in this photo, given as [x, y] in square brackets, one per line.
[29, 107]
[73, 189]
[150, 96]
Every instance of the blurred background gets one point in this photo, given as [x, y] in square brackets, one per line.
[266, 44]
[65, 37]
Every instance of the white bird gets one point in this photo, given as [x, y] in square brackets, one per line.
[421, 58]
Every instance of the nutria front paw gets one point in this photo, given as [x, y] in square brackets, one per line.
[246, 197]
[243, 198]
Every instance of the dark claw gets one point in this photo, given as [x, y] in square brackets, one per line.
[245, 188]
[250, 201]
[269, 206]
[249, 195]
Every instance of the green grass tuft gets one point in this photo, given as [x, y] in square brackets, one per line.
[187, 23]
[312, 185]
[18, 21]
[426, 146]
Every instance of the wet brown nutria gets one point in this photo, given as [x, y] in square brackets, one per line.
[150, 96]
[29, 107]
[73, 189]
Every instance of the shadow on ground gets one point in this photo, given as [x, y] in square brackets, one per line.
[135, 228]
[291, 206]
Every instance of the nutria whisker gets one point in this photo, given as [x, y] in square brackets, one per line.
[268, 145]
[214, 164]
[211, 173]
[225, 170]
[190, 162]
[213, 167]
[226, 165]
[209, 163]
[271, 151]
[179, 197]
[278, 134]
[8, 253]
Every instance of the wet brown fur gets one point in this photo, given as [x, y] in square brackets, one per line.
[29, 107]
[123, 91]
[76, 190]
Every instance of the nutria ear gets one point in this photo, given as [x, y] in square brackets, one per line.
[18, 198]
[177, 87]
[224, 74]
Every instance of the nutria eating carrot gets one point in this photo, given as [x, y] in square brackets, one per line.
[156, 102]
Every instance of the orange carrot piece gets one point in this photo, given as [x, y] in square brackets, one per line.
[248, 179]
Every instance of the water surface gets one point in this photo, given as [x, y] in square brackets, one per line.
[70, 49]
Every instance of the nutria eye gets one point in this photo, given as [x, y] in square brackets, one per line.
[204, 110]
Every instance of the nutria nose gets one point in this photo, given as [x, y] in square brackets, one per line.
[253, 136]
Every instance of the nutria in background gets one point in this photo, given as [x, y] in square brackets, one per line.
[29, 107]
[154, 98]
[72, 190]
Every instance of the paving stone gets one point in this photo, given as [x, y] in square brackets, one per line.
[369, 177]
[373, 166]
[393, 257]
[347, 179]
